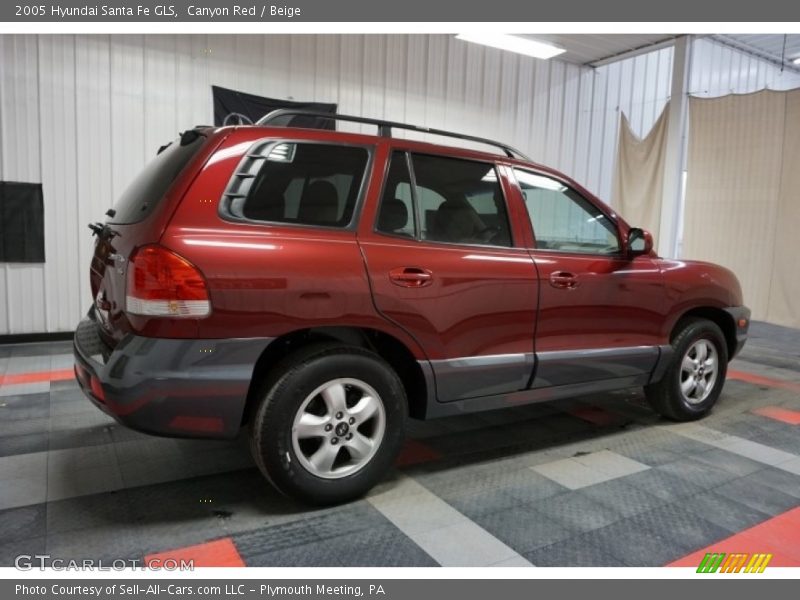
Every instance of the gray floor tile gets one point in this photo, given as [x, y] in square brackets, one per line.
[573, 552]
[95, 511]
[724, 511]
[778, 479]
[696, 472]
[576, 511]
[23, 444]
[732, 463]
[630, 543]
[350, 519]
[621, 497]
[682, 530]
[9, 551]
[22, 523]
[379, 547]
[107, 544]
[276, 538]
[523, 528]
[24, 407]
[663, 485]
[314, 554]
[751, 493]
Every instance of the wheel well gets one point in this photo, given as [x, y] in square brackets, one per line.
[392, 350]
[718, 316]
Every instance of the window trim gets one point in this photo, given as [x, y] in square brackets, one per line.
[414, 199]
[268, 144]
[610, 216]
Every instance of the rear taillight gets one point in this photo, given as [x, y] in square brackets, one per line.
[163, 284]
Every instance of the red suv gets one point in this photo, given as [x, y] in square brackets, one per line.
[321, 287]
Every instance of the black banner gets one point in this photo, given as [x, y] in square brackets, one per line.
[232, 107]
[21, 222]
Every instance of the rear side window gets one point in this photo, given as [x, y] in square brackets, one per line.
[148, 189]
[460, 201]
[299, 183]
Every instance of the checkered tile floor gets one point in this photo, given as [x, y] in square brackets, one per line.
[595, 481]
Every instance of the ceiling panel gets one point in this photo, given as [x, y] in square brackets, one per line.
[587, 49]
[778, 48]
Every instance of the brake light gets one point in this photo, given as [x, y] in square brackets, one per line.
[163, 284]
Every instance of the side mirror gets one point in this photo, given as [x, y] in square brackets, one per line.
[640, 241]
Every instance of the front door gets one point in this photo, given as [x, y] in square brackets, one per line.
[443, 266]
[600, 311]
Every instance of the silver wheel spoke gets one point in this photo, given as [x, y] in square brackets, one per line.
[359, 446]
[311, 426]
[334, 397]
[701, 388]
[702, 351]
[688, 364]
[365, 409]
[324, 457]
[688, 386]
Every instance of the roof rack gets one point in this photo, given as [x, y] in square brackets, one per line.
[384, 127]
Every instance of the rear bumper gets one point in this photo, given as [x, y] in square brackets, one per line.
[739, 314]
[170, 387]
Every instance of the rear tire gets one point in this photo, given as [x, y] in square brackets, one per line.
[693, 382]
[330, 423]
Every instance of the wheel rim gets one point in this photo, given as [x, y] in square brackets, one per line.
[699, 370]
[338, 428]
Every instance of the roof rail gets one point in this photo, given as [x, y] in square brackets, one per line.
[384, 127]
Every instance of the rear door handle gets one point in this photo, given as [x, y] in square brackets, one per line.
[412, 277]
[563, 280]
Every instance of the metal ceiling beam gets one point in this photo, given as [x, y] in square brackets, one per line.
[633, 52]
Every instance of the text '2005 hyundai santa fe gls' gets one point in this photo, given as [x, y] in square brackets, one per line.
[320, 287]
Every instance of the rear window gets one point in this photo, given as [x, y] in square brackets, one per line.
[148, 189]
[298, 183]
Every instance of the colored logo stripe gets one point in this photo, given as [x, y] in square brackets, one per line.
[733, 562]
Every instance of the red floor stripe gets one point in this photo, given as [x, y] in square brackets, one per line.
[779, 536]
[35, 377]
[595, 415]
[761, 380]
[792, 417]
[415, 452]
[219, 553]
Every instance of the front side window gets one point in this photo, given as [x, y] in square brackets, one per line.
[564, 220]
[303, 184]
[457, 201]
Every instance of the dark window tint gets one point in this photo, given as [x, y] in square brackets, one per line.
[306, 184]
[564, 220]
[396, 215]
[460, 201]
[149, 187]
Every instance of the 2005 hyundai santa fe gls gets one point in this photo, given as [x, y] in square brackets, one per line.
[320, 287]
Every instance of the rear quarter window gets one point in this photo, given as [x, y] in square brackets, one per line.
[298, 183]
[148, 189]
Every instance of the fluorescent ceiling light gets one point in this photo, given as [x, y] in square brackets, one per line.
[513, 43]
[796, 61]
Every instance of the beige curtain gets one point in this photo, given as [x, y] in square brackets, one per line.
[741, 195]
[639, 174]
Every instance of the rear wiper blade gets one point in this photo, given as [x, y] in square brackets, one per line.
[103, 231]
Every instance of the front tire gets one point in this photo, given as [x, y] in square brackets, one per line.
[330, 423]
[694, 380]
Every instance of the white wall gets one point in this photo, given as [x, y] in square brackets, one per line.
[718, 70]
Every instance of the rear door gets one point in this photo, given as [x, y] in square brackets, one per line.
[443, 265]
[600, 311]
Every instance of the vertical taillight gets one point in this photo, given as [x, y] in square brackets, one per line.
[163, 284]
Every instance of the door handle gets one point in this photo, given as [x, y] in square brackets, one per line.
[563, 280]
[412, 277]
